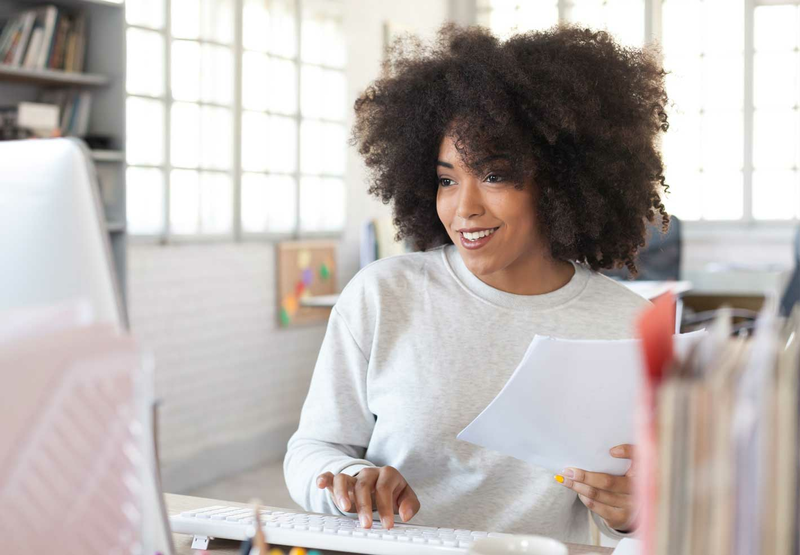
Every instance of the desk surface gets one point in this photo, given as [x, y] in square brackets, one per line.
[183, 543]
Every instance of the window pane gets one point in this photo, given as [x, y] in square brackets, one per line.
[722, 144]
[217, 138]
[185, 131]
[255, 79]
[217, 21]
[282, 87]
[254, 22]
[722, 195]
[145, 69]
[145, 200]
[281, 35]
[322, 36]
[185, 19]
[775, 28]
[682, 28]
[334, 144]
[774, 194]
[775, 81]
[507, 18]
[625, 20]
[186, 70]
[684, 196]
[217, 74]
[184, 202]
[724, 26]
[774, 139]
[268, 203]
[255, 139]
[723, 81]
[321, 204]
[312, 92]
[311, 147]
[145, 131]
[334, 96]
[147, 13]
[684, 82]
[282, 147]
[216, 201]
[681, 144]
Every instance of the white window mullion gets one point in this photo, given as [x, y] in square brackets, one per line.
[749, 55]
[298, 22]
[167, 116]
[238, 48]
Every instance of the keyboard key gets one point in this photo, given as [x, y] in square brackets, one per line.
[446, 531]
[342, 532]
[464, 544]
[360, 533]
[315, 528]
[418, 539]
[434, 541]
[450, 543]
[404, 538]
[480, 534]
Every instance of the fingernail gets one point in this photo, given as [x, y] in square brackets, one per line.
[343, 502]
[404, 515]
[559, 478]
[364, 521]
[385, 522]
[617, 451]
[568, 473]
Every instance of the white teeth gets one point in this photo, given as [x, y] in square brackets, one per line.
[477, 235]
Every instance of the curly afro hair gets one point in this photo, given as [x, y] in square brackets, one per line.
[571, 109]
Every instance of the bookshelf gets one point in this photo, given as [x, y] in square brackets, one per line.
[104, 78]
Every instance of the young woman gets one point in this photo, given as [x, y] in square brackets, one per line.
[519, 168]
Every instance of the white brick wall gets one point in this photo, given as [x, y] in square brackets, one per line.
[230, 380]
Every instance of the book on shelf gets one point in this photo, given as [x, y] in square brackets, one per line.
[46, 37]
[75, 107]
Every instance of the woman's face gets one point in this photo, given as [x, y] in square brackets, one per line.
[492, 222]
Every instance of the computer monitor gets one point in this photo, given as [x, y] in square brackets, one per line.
[53, 241]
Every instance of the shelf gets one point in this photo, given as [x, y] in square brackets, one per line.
[108, 156]
[51, 76]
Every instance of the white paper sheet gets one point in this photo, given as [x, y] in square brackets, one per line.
[628, 546]
[567, 403]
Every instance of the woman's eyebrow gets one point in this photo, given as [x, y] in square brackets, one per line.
[445, 164]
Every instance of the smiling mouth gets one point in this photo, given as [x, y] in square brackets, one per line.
[477, 235]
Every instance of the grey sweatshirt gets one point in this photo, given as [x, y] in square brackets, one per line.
[416, 347]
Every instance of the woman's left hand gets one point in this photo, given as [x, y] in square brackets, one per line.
[611, 497]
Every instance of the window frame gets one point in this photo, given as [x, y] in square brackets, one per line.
[748, 228]
[236, 234]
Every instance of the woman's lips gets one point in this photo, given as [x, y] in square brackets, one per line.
[477, 244]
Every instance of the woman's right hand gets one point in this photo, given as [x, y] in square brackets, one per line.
[383, 487]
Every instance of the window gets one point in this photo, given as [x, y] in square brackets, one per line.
[235, 117]
[732, 149]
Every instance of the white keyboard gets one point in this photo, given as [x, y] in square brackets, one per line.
[318, 531]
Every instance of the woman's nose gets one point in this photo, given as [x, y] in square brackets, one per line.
[470, 203]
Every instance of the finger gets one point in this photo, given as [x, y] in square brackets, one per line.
[614, 516]
[606, 482]
[624, 451]
[389, 481]
[325, 480]
[407, 503]
[365, 485]
[341, 491]
[620, 501]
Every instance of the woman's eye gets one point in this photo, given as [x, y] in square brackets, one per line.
[494, 178]
[445, 182]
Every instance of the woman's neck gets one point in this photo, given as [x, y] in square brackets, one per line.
[535, 274]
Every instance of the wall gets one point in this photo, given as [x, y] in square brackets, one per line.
[232, 383]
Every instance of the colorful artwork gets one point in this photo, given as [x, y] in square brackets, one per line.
[305, 269]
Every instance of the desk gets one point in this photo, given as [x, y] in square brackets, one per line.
[183, 543]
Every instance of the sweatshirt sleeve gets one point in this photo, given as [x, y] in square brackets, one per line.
[607, 530]
[335, 424]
